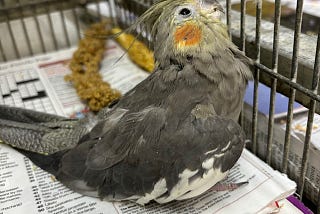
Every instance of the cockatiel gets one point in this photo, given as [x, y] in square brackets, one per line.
[172, 137]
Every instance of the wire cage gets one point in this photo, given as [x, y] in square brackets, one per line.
[31, 27]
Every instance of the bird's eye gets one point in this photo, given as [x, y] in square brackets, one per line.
[185, 12]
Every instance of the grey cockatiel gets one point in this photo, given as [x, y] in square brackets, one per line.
[172, 137]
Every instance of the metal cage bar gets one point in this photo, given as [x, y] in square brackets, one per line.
[275, 59]
[243, 48]
[64, 27]
[53, 36]
[36, 20]
[13, 40]
[312, 108]
[3, 54]
[98, 10]
[110, 10]
[294, 73]
[256, 77]
[76, 21]
[243, 26]
[26, 35]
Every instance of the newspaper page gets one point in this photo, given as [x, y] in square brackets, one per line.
[25, 187]
[299, 126]
[296, 148]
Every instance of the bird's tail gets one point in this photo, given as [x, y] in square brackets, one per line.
[41, 137]
[49, 163]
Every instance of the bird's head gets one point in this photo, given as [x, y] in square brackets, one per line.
[181, 29]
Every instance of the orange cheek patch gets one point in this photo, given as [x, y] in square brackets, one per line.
[187, 35]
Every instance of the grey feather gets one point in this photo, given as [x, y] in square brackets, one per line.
[39, 132]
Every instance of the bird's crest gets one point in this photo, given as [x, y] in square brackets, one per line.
[185, 18]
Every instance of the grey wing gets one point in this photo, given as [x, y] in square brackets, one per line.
[93, 167]
[124, 136]
[144, 160]
[205, 150]
[225, 140]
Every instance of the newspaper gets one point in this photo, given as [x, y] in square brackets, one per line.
[299, 127]
[26, 188]
[297, 138]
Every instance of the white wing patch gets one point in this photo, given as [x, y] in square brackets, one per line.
[185, 188]
[159, 189]
[211, 151]
[224, 149]
[208, 164]
[180, 188]
[218, 155]
[208, 180]
[202, 184]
